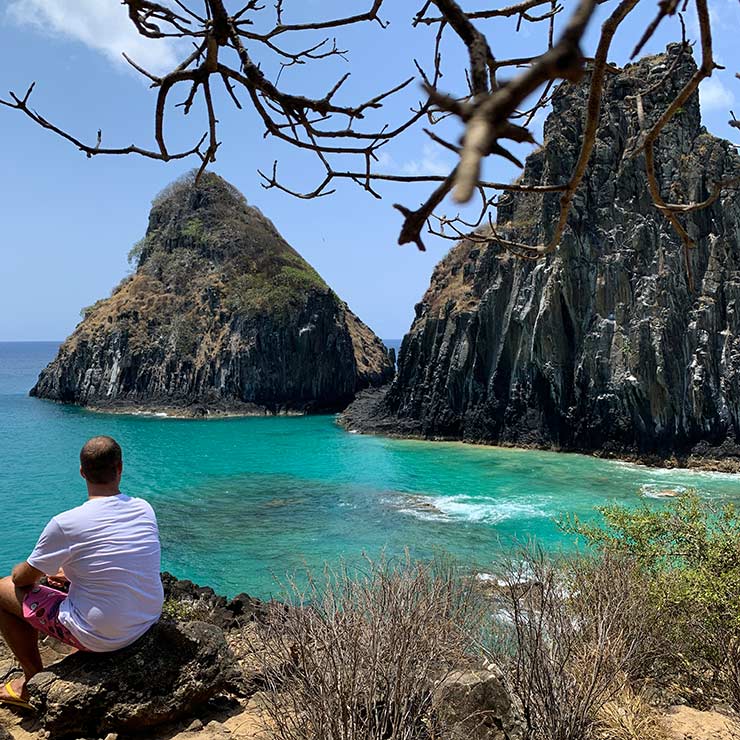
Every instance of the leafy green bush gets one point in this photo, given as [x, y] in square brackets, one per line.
[134, 254]
[274, 292]
[87, 310]
[186, 610]
[194, 229]
[690, 550]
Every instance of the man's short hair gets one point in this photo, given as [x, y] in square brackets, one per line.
[100, 459]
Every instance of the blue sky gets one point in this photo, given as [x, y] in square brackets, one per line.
[68, 222]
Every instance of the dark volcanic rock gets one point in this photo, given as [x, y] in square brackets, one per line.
[162, 677]
[221, 315]
[186, 598]
[605, 345]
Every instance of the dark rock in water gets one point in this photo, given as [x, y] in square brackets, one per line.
[476, 704]
[605, 345]
[162, 677]
[186, 599]
[221, 316]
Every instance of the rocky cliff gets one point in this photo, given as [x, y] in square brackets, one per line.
[220, 316]
[606, 345]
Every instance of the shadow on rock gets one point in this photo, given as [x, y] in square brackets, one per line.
[161, 678]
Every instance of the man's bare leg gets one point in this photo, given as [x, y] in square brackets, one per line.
[20, 636]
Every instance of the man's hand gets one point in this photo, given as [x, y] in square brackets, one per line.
[25, 575]
[59, 580]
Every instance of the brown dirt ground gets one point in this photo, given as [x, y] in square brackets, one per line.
[684, 723]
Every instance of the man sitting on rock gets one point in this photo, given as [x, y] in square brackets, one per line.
[108, 551]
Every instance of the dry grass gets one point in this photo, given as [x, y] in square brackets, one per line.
[580, 640]
[451, 287]
[628, 716]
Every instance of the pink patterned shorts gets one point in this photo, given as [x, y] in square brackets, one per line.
[41, 610]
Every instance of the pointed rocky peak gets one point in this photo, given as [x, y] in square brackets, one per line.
[221, 315]
[206, 232]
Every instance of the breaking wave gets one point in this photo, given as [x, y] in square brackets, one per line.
[492, 511]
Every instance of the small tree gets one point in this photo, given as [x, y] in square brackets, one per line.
[691, 551]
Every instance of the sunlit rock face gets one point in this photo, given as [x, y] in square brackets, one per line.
[606, 344]
[220, 316]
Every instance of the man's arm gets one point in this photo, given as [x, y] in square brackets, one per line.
[59, 580]
[25, 575]
[50, 554]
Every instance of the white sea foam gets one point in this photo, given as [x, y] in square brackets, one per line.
[492, 511]
[428, 516]
[418, 506]
[491, 578]
[673, 472]
[657, 491]
[503, 616]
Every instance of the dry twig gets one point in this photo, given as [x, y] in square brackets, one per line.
[229, 51]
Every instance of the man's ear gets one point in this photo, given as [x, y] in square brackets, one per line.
[81, 473]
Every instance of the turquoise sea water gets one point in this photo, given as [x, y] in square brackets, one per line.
[241, 501]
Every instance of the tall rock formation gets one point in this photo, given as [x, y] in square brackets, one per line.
[604, 345]
[221, 315]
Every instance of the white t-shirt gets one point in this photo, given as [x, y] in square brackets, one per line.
[109, 549]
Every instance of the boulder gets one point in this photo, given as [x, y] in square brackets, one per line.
[475, 704]
[162, 677]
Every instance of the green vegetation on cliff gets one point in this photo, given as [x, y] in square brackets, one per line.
[220, 315]
[232, 239]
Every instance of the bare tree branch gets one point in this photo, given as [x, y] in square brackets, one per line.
[230, 48]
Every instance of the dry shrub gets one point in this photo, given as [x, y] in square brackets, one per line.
[365, 648]
[730, 673]
[628, 717]
[575, 632]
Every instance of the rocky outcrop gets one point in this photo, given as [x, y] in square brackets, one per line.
[220, 316]
[162, 677]
[187, 599]
[610, 344]
[476, 704]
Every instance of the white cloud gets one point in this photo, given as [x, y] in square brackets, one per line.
[430, 163]
[102, 25]
[715, 96]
